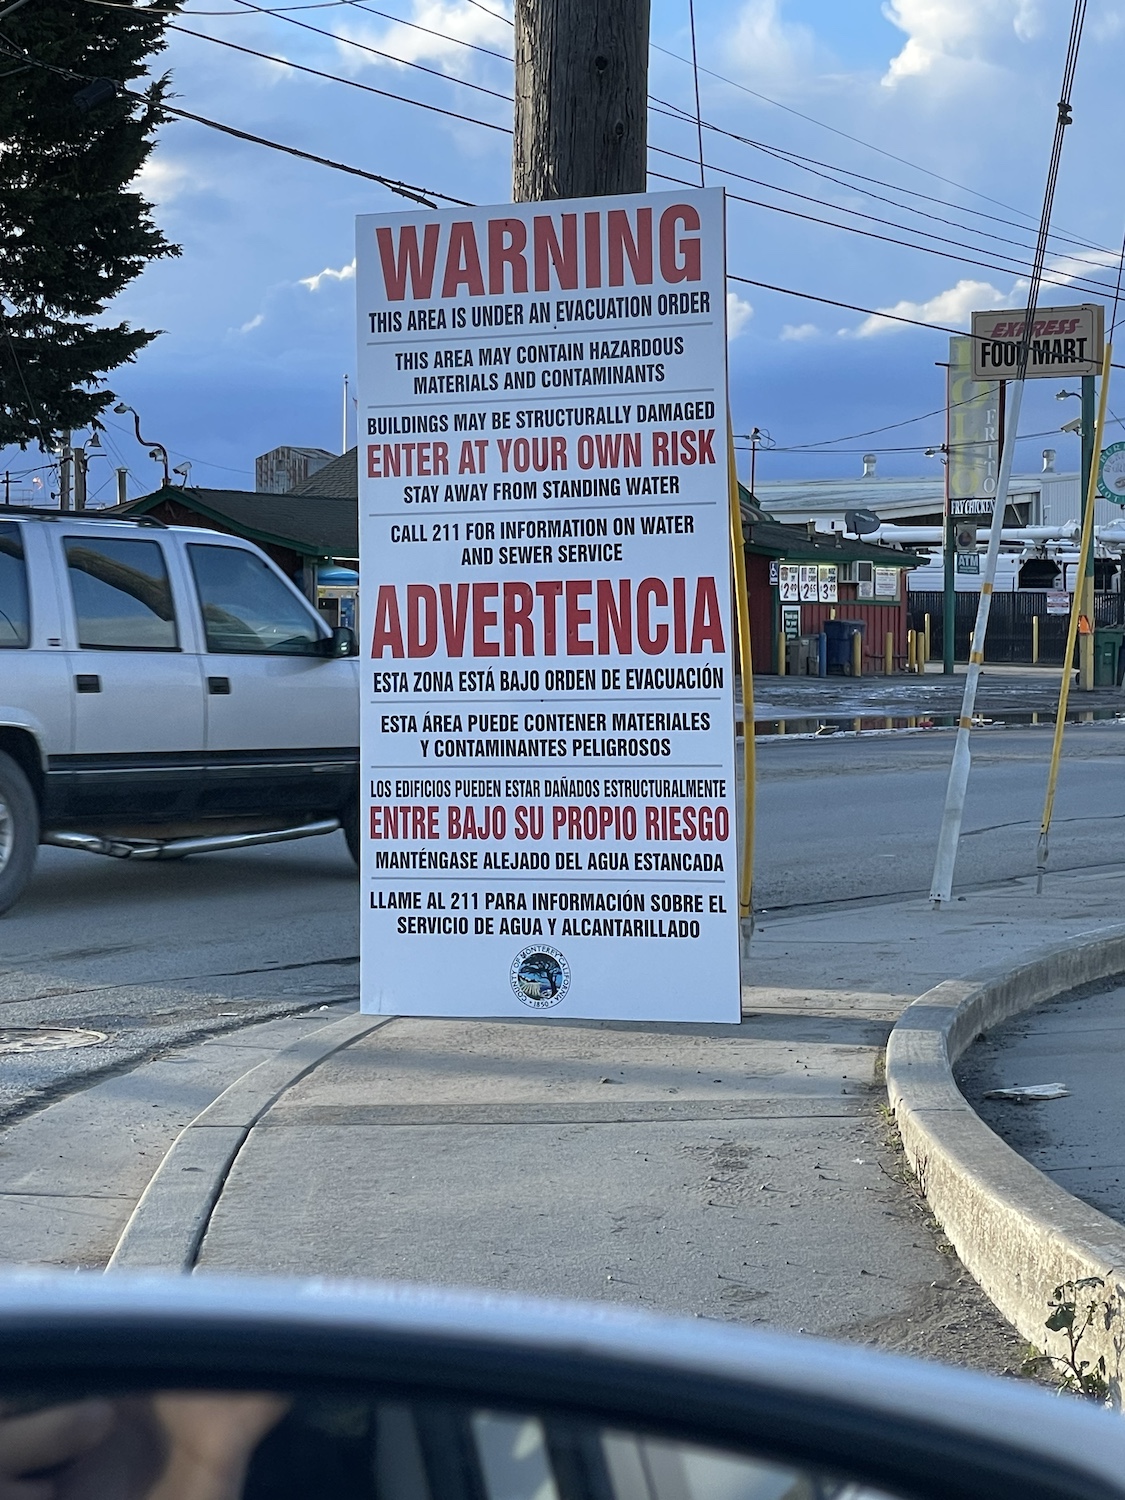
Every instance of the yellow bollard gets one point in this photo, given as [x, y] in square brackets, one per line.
[782, 653]
[889, 654]
[927, 632]
[857, 655]
[911, 647]
[1035, 640]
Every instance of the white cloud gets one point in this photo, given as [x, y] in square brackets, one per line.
[255, 322]
[445, 25]
[766, 46]
[796, 333]
[957, 33]
[161, 180]
[951, 306]
[1083, 264]
[739, 313]
[1107, 27]
[314, 283]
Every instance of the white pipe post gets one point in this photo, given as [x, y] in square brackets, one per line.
[942, 887]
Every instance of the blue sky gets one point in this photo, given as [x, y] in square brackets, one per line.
[258, 311]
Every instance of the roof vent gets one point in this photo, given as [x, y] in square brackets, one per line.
[869, 462]
[1048, 460]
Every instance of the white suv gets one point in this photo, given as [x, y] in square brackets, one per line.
[163, 691]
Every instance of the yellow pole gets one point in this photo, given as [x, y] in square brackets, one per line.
[1035, 640]
[857, 655]
[1072, 629]
[927, 655]
[746, 659]
[912, 651]
[889, 653]
[782, 650]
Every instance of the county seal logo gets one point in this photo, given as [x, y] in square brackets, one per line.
[540, 977]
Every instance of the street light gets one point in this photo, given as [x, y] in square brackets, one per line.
[155, 449]
[759, 438]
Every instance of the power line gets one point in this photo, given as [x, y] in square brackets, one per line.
[871, 312]
[374, 51]
[352, 83]
[695, 76]
[416, 26]
[812, 166]
[495, 16]
[1095, 286]
[157, 10]
[803, 452]
[858, 140]
[1017, 268]
[402, 189]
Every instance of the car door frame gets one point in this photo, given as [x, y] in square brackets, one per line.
[126, 788]
[296, 781]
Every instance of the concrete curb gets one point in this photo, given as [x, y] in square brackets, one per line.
[167, 1226]
[1019, 1233]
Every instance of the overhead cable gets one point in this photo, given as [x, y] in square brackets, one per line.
[423, 196]
[173, 10]
[855, 139]
[375, 52]
[416, 26]
[353, 83]
[813, 166]
[1017, 268]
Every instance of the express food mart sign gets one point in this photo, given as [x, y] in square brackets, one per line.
[1064, 341]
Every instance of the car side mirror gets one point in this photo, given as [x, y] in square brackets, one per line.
[342, 642]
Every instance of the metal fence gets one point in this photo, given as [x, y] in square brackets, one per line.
[1010, 634]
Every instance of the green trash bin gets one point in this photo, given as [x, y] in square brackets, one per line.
[1108, 641]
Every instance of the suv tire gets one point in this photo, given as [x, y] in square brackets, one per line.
[19, 832]
[350, 821]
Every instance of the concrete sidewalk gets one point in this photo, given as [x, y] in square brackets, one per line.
[740, 1173]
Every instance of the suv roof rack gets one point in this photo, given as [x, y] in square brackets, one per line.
[40, 513]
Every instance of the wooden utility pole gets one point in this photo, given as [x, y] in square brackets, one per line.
[581, 98]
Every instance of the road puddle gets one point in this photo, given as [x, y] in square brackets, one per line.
[823, 726]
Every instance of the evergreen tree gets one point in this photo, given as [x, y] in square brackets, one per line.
[72, 233]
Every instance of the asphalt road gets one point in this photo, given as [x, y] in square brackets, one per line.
[858, 817]
[153, 956]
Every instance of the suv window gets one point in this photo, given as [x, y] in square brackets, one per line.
[247, 608]
[122, 597]
[15, 625]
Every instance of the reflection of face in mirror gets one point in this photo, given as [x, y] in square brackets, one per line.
[215, 1445]
[176, 1445]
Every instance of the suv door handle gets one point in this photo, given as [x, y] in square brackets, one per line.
[88, 682]
[219, 686]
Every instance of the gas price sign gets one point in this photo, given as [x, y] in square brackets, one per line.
[548, 809]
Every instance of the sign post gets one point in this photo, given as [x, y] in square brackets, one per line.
[547, 740]
[973, 423]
